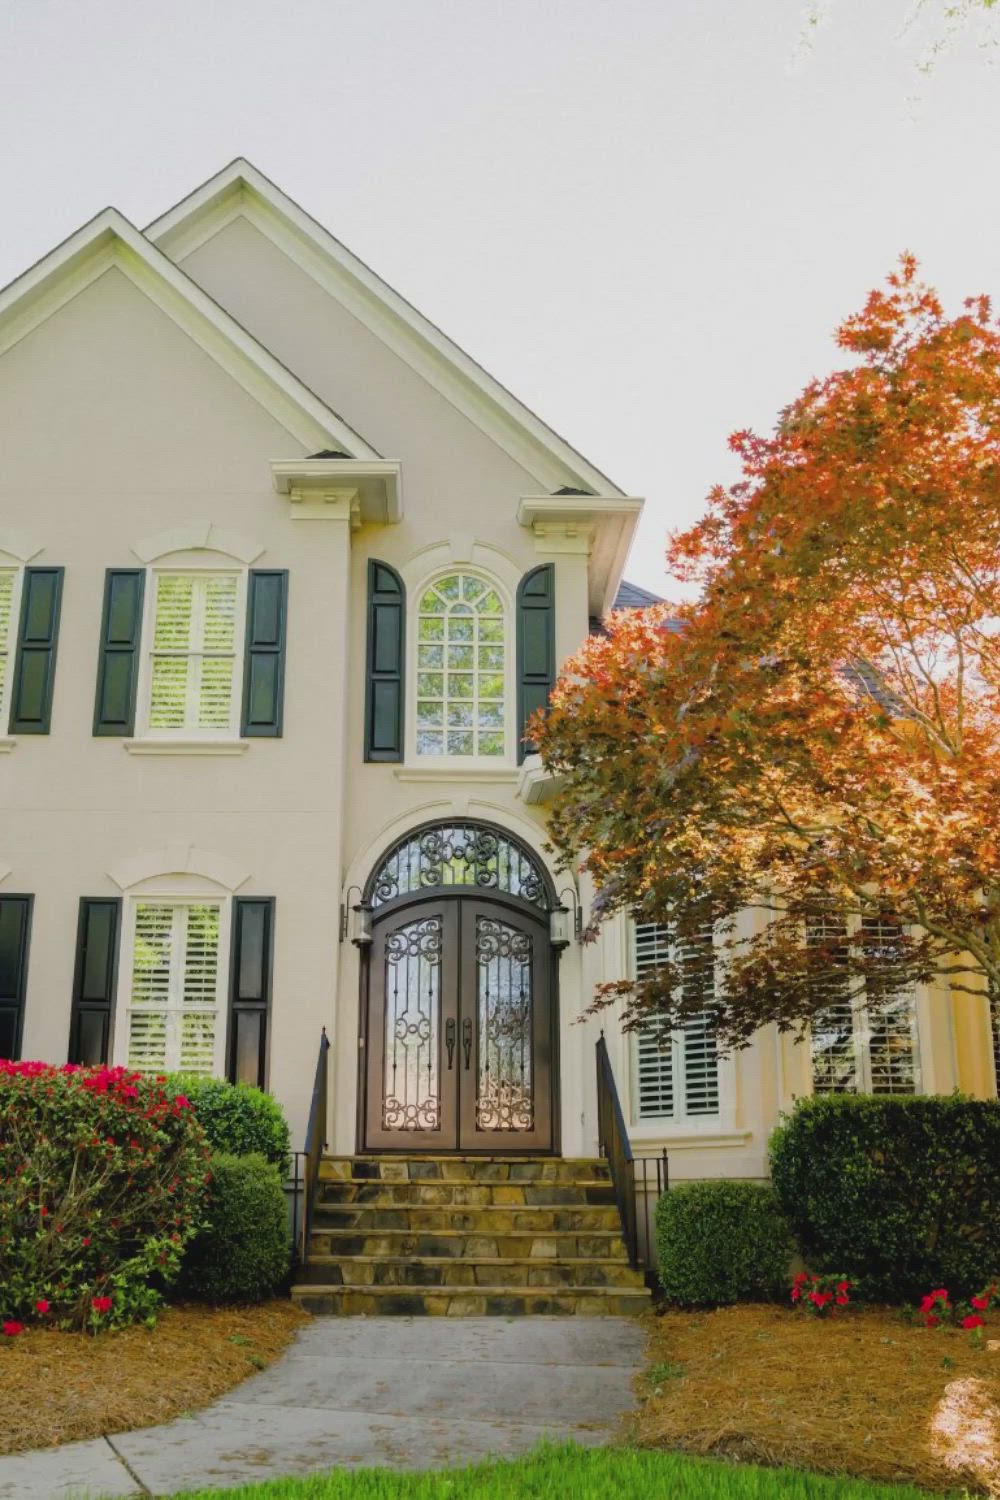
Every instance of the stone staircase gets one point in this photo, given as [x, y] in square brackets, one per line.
[469, 1236]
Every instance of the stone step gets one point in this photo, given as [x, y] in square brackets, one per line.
[465, 1168]
[473, 1219]
[466, 1192]
[481, 1301]
[469, 1271]
[458, 1244]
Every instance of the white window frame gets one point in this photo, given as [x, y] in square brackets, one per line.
[123, 999]
[679, 1122]
[863, 1035]
[188, 734]
[17, 570]
[508, 759]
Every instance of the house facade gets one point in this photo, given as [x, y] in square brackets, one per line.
[283, 573]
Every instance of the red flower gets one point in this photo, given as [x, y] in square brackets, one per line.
[982, 1303]
[12, 1328]
[41, 1306]
[931, 1321]
[101, 1304]
[973, 1321]
[843, 1300]
[85, 1241]
[843, 1286]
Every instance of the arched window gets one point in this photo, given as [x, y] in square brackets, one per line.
[459, 854]
[461, 693]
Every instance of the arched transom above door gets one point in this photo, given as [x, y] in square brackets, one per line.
[460, 853]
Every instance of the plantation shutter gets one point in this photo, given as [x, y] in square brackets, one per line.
[679, 1079]
[855, 1050]
[118, 665]
[264, 670]
[194, 653]
[250, 989]
[536, 648]
[891, 1034]
[35, 663]
[384, 692]
[174, 1015]
[94, 980]
[833, 1032]
[15, 928]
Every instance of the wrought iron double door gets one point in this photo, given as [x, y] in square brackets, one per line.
[459, 1037]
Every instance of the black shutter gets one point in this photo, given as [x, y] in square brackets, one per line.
[536, 647]
[264, 672]
[384, 672]
[250, 989]
[94, 979]
[15, 929]
[118, 665]
[35, 664]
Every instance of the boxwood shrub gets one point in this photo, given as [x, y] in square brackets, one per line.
[721, 1242]
[242, 1253]
[102, 1177]
[238, 1120]
[901, 1194]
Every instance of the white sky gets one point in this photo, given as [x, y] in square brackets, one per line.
[632, 212]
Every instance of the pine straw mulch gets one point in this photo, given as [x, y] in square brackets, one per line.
[60, 1387]
[866, 1394]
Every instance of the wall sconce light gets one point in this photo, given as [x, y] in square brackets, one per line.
[560, 927]
[352, 920]
[570, 891]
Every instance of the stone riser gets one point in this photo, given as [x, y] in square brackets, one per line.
[502, 1303]
[383, 1194]
[428, 1273]
[470, 1220]
[459, 1246]
[469, 1168]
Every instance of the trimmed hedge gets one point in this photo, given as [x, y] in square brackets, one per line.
[900, 1194]
[102, 1178]
[242, 1253]
[721, 1242]
[238, 1120]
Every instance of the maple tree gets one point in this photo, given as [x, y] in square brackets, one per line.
[817, 736]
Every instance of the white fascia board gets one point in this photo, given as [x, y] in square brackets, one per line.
[379, 483]
[612, 523]
[110, 240]
[241, 188]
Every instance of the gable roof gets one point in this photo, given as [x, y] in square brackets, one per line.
[109, 240]
[240, 189]
[631, 596]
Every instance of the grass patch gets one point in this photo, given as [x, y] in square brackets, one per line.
[62, 1387]
[572, 1473]
[867, 1394]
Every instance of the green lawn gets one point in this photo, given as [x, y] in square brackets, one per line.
[576, 1474]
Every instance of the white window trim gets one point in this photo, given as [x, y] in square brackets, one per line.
[152, 741]
[123, 997]
[443, 763]
[717, 1128]
[862, 1038]
[17, 568]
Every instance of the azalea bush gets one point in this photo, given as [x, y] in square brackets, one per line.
[900, 1194]
[937, 1308]
[820, 1295]
[102, 1177]
[721, 1242]
[237, 1118]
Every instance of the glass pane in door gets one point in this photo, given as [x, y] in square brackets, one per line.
[505, 1022]
[411, 1085]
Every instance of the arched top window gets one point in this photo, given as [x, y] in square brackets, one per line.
[461, 668]
[459, 854]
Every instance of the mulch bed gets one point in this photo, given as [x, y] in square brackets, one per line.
[61, 1387]
[865, 1394]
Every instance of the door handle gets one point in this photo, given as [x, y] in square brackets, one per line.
[450, 1030]
[467, 1041]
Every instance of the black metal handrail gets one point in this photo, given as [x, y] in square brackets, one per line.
[315, 1145]
[631, 1176]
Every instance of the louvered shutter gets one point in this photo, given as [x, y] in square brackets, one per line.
[696, 953]
[250, 989]
[891, 1034]
[834, 1040]
[15, 929]
[536, 648]
[654, 1061]
[194, 653]
[94, 980]
[679, 1079]
[118, 664]
[264, 669]
[35, 663]
[174, 1015]
[384, 688]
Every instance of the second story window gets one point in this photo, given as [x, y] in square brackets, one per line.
[461, 697]
[194, 654]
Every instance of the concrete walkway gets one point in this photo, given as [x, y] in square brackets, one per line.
[350, 1392]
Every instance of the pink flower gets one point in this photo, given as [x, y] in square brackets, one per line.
[101, 1304]
[973, 1321]
[41, 1306]
[12, 1328]
[981, 1303]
